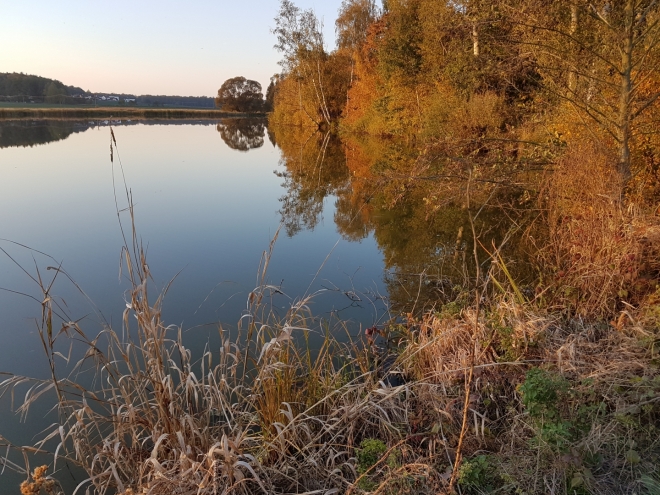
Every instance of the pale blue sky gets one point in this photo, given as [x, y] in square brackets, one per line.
[146, 46]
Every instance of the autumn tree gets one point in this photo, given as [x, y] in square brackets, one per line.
[600, 57]
[240, 95]
[300, 40]
[365, 81]
[270, 92]
[313, 83]
[353, 21]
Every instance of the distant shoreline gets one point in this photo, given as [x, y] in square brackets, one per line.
[118, 112]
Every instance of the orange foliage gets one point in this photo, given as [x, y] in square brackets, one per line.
[360, 165]
[365, 80]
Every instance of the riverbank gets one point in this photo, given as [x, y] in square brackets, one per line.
[118, 113]
[522, 400]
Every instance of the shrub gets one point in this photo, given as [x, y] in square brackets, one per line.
[370, 451]
[478, 475]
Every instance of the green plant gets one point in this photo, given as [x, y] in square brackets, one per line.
[453, 309]
[541, 395]
[540, 392]
[478, 474]
[580, 480]
[507, 342]
[369, 453]
[651, 484]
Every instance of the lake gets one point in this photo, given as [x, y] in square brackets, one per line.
[208, 201]
[209, 197]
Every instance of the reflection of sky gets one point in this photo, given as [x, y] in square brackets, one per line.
[147, 47]
[201, 208]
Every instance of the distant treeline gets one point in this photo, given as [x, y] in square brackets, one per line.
[15, 87]
[13, 84]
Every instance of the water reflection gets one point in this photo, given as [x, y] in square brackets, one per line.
[243, 134]
[314, 169]
[380, 188]
[422, 226]
[31, 132]
[206, 213]
[196, 215]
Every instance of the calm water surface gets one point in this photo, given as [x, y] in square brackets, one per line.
[208, 199]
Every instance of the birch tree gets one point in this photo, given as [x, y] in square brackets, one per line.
[300, 40]
[599, 56]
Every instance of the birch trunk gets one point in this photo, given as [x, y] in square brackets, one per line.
[625, 93]
[572, 76]
[475, 40]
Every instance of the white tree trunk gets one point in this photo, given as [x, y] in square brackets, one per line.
[475, 40]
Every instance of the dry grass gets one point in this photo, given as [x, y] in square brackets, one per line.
[262, 415]
[602, 253]
[609, 410]
[39, 482]
[256, 415]
[604, 437]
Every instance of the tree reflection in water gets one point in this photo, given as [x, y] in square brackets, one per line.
[243, 134]
[34, 132]
[315, 170]
[422, 227]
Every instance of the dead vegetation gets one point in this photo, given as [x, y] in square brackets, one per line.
[602, 253]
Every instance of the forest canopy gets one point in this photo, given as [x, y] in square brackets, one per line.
[448, 111]
[401, 70]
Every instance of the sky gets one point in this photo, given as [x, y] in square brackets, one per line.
[144, 46]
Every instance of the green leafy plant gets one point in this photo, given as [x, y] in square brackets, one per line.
[478, 474]
[542, 392]
[369, 453]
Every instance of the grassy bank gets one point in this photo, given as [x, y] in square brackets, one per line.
[494, 398]
[492, 392]
[116, 112]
